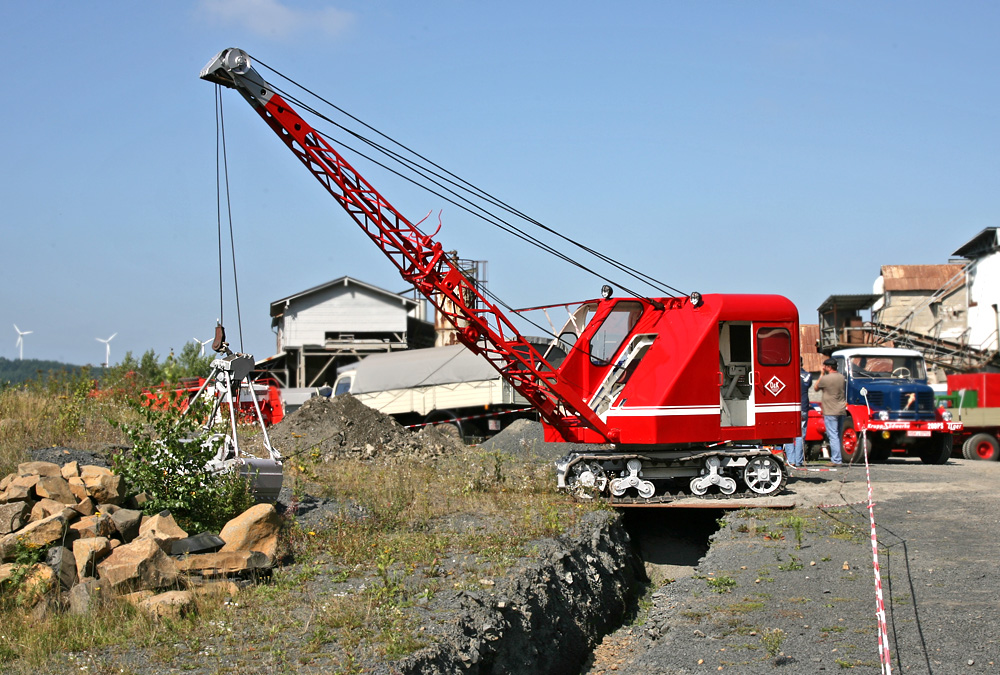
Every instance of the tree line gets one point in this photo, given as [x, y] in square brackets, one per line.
[143, 371]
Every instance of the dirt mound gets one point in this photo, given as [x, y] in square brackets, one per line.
[527, 438]
[61, 456]
[342, 426]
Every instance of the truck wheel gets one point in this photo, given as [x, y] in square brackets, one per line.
[981, 446]
[850, 444]
[938, 450]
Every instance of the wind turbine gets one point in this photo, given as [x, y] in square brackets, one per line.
[202, 343]
[107, 353]
[20, 341]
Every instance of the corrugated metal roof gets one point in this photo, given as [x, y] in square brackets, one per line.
[848, 303]
[918, 277]
[278, 305]
[985, 242]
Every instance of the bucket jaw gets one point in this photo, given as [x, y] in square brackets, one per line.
[231, 381]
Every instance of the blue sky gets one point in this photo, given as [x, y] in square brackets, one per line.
[770, 147]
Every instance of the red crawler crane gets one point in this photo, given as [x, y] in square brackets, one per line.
[679, 394]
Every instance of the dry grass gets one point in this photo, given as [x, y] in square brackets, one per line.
[409, 531]
[58, 413]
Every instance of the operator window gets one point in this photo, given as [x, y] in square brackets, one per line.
[617, 326]
[774, 346]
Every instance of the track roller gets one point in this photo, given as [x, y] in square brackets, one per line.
[632, 480]
[711, 475]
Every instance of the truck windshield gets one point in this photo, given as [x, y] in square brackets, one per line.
[897, 367]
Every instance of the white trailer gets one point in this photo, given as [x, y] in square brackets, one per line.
[438, 385]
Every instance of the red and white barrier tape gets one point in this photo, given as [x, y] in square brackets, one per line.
[838, 506]
[467, 417]
[883, 632]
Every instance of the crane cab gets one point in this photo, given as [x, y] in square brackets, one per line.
[677, 372]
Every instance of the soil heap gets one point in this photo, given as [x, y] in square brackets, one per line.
[343, 427]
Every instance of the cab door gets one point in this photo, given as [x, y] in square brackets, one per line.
[776, 385]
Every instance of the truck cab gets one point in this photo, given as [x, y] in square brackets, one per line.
[893, 381]
[891, 407]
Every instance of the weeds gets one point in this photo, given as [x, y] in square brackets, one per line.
[721, 583]
[772, 641]
[792, 565]
[797, 523]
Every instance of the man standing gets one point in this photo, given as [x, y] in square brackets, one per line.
[834, 405]
[795, 452]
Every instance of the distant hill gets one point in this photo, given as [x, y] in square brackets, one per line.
[16, 372]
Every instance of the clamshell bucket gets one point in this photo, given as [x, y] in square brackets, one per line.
[229, 375]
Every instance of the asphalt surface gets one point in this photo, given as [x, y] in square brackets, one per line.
[939, 554]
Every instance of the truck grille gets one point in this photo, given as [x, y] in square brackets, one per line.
[925, 400]
[876, 399]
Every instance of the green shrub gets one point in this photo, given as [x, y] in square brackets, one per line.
[167, 462]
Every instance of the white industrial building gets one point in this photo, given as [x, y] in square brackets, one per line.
[982, 284]
[339, 322]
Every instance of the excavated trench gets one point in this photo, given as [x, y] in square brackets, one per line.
[577, 588]
[671, 541]
[583, 587]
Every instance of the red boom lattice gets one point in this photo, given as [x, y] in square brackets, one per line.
[421, 261]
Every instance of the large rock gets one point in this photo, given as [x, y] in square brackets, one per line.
[256, 529]
[86, 507]
[127, 522]
[38, 580]
[140, 565]
[104, 486]
[13, 516]
[20, 489]
[70, 470]
[172, 604]
[39, 469]
[44, 508]
[78, 488]
[85, 596]
[225, 564]
[17, 493]
[94, 526]
[56, 488]
[41, 533]
[63, 565]
[162, 528]
[88, 552]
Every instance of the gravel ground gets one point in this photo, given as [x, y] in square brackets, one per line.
[940, 567]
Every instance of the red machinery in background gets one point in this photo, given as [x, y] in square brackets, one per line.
[671, 395]
[180, 395]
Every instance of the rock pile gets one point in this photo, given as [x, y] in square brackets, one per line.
[98, 544]
[343, 427]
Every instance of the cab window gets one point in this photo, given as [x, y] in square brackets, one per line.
[774, 346]
[617, 326]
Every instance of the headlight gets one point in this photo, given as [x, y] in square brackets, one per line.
[946, 415]
[883, 415]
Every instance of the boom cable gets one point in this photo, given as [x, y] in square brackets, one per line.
[222, 181]
[465, 186]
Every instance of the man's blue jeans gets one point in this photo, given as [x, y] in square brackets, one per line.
[795, 452]
[834, 424]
